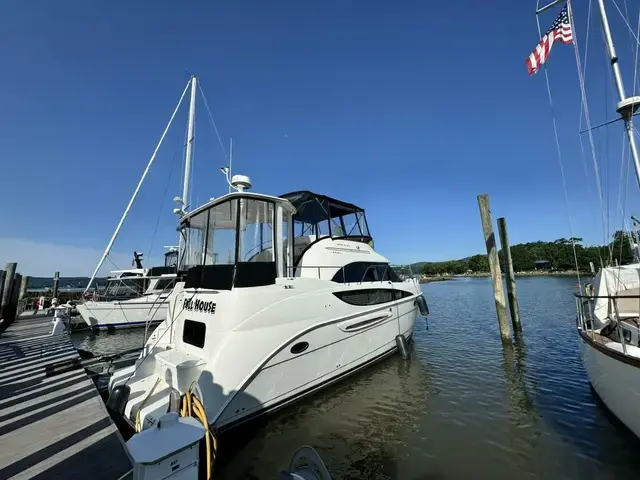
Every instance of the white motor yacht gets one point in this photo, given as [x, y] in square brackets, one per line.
[135, 297]
[283, 296]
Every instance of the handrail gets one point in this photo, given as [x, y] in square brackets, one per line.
[291, 270]
[159, 304]
[610, 297]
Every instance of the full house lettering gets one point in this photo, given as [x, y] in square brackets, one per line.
[199, 306]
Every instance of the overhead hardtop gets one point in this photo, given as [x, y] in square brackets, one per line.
[314, 208]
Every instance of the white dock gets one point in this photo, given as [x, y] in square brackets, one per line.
[52, 425]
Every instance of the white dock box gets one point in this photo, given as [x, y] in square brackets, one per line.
[168, 450]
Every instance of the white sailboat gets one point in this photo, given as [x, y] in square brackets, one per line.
[283, 296]
[608, 312]
[149, 288]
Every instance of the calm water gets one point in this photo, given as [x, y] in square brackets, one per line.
[462, 407]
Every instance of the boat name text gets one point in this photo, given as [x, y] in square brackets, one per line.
[199, 306]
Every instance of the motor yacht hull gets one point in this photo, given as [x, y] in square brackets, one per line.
[288, 378]
[615, 378]
[132, 313]
[248, 377]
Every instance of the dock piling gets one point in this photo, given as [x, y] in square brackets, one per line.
[24, 285]
[8, 307]
[56, 285]
[1, 287]
[494, 267]
[510, 275]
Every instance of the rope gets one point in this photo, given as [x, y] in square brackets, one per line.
[580, 117]
[587, 117]
[626, 22]
[622, 204]
[191, 406]
[626, 11]
[559, 152]
[635, 63]
[604, 157]
[164, 196]
[213, 123]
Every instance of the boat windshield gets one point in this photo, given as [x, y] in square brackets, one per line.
[124, 287]
[235, 231]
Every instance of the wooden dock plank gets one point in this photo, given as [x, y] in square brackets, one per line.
[52, 426]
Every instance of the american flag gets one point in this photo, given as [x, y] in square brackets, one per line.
[560, 31]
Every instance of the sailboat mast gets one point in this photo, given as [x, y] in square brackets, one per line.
[135, 193]
[189, 153]
[627, 106]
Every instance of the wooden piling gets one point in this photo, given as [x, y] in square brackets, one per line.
[1, 287]
[510, 275]
[56, 285]
[24, 286]
[494, 267]
[8, 308]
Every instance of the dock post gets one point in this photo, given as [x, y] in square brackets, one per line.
[510, 275]
[1, 287]
[6, 311]
[24, 286]
[56, 285]
[15, 290]
[494, 267]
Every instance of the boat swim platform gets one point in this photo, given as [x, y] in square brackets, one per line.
[53, 423]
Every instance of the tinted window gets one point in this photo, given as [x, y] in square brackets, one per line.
[165, 284]
[372, 296]
[357, 272]
[194, 333]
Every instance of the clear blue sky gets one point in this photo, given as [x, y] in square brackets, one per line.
[409, 109]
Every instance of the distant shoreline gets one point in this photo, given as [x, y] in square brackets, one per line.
[444, 278]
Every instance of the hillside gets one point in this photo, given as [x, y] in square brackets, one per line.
[559, 253]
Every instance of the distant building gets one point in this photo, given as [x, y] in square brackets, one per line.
[542, 264]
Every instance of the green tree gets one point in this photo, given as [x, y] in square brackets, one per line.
[479, 263]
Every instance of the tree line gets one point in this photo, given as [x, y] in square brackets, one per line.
[560, 254]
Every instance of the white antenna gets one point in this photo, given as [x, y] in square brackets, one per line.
[135, 193]
[230, 161]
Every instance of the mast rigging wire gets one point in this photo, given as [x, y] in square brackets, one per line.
[212, 122]
[626, 22]
[587, 117]
[559, 153]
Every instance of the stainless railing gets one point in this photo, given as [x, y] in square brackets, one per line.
[157, 304]
[585, 305]
[293, 271]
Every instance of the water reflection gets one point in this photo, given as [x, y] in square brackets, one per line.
[463, 406]
[105, 343]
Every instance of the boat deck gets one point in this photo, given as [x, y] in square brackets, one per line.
[53, 424]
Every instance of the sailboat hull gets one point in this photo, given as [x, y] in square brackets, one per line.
[614, 378]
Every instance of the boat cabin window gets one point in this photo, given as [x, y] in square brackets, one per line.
[171, 258]
[232, 244]
[125, 287]
[164, 284]
[194, 333]
[256, 231]
[358, 272]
